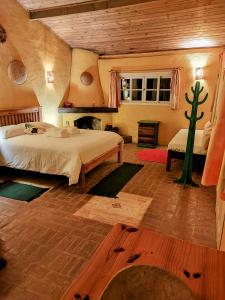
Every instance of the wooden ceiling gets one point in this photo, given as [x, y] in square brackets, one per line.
[131, 28]
[33, 4]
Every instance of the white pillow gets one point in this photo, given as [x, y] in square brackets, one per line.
[206, 135]
[10, 131]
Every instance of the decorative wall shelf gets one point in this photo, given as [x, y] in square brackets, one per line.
[63, 110]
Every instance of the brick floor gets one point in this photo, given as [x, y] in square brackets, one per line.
[46, 246]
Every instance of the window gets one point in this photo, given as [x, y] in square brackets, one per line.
[148, 88]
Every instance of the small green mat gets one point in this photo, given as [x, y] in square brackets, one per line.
[20, 191]
[110, 185]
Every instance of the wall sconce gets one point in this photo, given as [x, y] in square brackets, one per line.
[49, 75]
[199, 73]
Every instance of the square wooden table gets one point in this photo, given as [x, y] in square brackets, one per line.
[202, 269]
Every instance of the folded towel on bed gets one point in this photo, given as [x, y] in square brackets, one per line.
[39, 125]
[73, 130]
[58, 132]
[30, 129]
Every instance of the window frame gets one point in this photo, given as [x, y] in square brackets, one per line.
[144, 77]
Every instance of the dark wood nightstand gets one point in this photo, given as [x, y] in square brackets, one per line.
[148, 133]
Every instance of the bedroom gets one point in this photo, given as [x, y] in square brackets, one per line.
[48, 241]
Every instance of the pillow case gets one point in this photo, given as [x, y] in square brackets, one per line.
[206, 135]
[10, 131]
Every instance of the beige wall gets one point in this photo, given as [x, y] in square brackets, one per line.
[82, 95]
[40, 50]
[171, 121]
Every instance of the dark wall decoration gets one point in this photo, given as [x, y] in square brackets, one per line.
[17, 72]
[86, 78]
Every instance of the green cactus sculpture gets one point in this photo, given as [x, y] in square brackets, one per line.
[186, 178]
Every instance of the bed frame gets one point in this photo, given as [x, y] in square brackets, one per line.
[33, 114]
[16, 116]
[198, 159]
[100, 159]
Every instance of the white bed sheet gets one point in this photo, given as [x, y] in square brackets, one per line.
[179, 142]
[58, 156]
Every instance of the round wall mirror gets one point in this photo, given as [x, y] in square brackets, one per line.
[17, 72]
[86, 78]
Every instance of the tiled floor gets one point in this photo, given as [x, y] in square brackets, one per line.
[46, 245]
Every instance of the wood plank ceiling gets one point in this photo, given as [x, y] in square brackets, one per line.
[33, 4]
[145, 27]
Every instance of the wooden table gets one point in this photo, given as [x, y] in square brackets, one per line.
[201, 268]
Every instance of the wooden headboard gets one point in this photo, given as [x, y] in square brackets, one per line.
[16, 116]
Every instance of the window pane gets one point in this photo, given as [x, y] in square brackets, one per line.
[125, 95]
[152, 83]
[137, 95]
[165, 83]
[125, 83]
[137, 84]
[151, 95]
[164, 96]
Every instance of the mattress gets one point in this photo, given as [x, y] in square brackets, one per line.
[179, 142]
[57, 156]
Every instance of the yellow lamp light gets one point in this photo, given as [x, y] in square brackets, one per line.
[199, 73]
[49, 75]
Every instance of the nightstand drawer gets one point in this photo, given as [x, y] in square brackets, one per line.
[146, 131]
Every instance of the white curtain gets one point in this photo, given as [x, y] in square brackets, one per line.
[114, 99]
[175, 89]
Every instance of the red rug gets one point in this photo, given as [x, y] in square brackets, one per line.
[154, 155]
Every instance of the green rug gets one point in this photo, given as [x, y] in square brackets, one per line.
[115, 181]
[20, 191]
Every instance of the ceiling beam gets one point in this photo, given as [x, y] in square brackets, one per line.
[78, 8]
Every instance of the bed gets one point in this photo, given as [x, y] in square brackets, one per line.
[177, 148]
[72, 157]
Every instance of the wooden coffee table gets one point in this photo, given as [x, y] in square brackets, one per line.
[202, 269]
